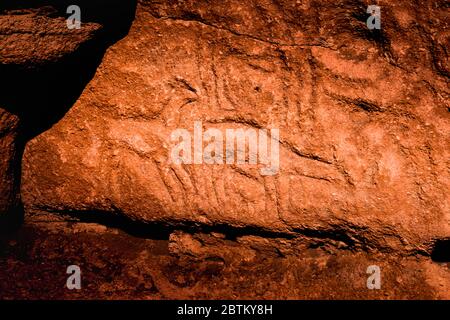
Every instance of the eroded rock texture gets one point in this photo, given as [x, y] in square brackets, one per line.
[363, 118]
[116, 265]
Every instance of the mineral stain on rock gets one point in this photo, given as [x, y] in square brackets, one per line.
[85, 123]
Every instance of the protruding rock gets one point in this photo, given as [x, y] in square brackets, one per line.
[363, 119]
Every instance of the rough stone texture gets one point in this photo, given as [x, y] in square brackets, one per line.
[363, 119]
[31, 37]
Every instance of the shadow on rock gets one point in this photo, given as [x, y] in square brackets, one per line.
[37, 93]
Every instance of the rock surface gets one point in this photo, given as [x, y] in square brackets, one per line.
[28, 39]
[31, 37]
[363, 117]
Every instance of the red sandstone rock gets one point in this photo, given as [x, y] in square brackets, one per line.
[28, 38]
[363, 119]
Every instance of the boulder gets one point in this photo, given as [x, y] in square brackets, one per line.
[363, 120]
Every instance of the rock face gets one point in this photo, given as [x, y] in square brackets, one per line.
[32, 37]
[363, 119]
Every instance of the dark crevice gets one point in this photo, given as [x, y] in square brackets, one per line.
[358, 103]
[118, 221]
[161, 230]
[336, 235]
[12, 220]
[353, 237]
[441, 251]
[367, 106]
